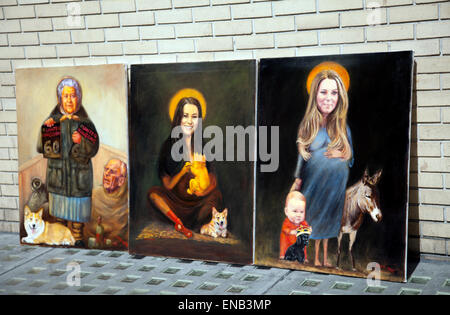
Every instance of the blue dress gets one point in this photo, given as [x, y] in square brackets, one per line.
[324, 183]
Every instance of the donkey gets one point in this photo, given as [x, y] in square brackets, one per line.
[360, 198]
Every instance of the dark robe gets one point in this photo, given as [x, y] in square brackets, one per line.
[192, 210]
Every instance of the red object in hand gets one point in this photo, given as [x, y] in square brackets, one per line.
[76, 137]
[49, 122]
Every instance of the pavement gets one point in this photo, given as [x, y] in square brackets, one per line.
[72, 271]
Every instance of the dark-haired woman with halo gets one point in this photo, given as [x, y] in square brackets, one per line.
[188, 211]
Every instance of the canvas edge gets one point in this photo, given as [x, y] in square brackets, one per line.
[405, 275]
[256, 95]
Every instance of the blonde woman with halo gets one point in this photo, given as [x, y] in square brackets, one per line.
[325, 155]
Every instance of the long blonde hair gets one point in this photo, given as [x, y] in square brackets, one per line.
[336, 121]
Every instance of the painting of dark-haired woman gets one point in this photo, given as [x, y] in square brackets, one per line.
[187, 210]
[186, 202]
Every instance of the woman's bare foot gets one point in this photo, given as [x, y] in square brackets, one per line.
[317, 262]
[327, 264]
[325, 254]
[180, 228]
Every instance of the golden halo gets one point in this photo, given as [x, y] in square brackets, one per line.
[329, 65]
[187, 92]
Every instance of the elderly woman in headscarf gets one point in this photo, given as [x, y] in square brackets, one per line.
[69, 174]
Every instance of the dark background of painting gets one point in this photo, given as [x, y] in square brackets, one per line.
[229, 90]
[379, 119]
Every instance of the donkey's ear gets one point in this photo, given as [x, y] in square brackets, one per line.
[366, 176]
[376, 177]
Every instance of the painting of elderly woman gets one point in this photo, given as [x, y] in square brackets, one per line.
[344, 142]
[186, 202]
[62, 170]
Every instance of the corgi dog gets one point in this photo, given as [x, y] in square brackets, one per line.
[218, 225]
[41, 232]
[199, 170]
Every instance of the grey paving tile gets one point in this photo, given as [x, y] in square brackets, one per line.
[12, 254]
[60, 271]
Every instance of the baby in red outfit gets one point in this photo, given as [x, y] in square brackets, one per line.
[295, 210]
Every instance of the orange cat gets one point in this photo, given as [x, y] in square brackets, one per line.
[201, 180]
